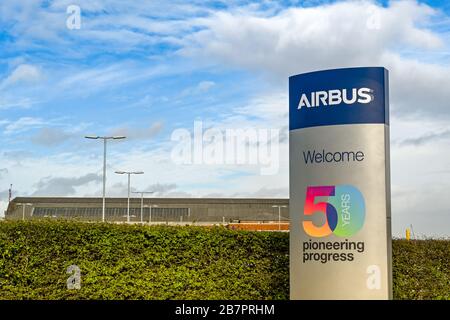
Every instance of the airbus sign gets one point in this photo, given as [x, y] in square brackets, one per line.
[336, 97]
[339, 184]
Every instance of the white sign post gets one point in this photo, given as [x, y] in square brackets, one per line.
[340, 239]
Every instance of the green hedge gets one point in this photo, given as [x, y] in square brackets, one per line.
[421, 269]
[161, 262]
[133, 262]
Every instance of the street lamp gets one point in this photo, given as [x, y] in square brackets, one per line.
[129, 173]
[23, 209]
[104, 164]
[142, 202]
[279, 215]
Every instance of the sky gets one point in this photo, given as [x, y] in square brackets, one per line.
[156, 70]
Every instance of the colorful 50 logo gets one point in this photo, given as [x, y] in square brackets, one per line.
[344, 210]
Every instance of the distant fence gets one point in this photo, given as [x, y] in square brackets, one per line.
[157, 214]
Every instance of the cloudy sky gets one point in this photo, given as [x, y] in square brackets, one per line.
[147, 68]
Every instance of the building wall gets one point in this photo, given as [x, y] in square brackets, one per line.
[191, 209]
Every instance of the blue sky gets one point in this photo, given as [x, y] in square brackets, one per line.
[147, 68]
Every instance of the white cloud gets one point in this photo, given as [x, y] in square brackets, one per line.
[115, 25]
[23, 124]
[16, 102]
[271, 108]
[204, 86]
[94, 78]
[63, 186]
[50, 137]
[139, 133]
[418, 90]
[340, 35]
[299, 39]
[23, 73]
[87, 81]
[200, 88]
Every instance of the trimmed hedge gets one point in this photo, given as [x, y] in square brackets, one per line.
[162, 262]
[135, 262]
[421, 269]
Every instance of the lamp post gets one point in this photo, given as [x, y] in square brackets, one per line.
[279, 215]
[104, 164]
[142, 202]
[129, 173]
[23, 209]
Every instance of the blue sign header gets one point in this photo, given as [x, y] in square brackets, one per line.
[339, 96]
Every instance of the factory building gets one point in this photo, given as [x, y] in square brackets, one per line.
[214, 210]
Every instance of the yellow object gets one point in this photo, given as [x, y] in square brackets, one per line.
[408, 234]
